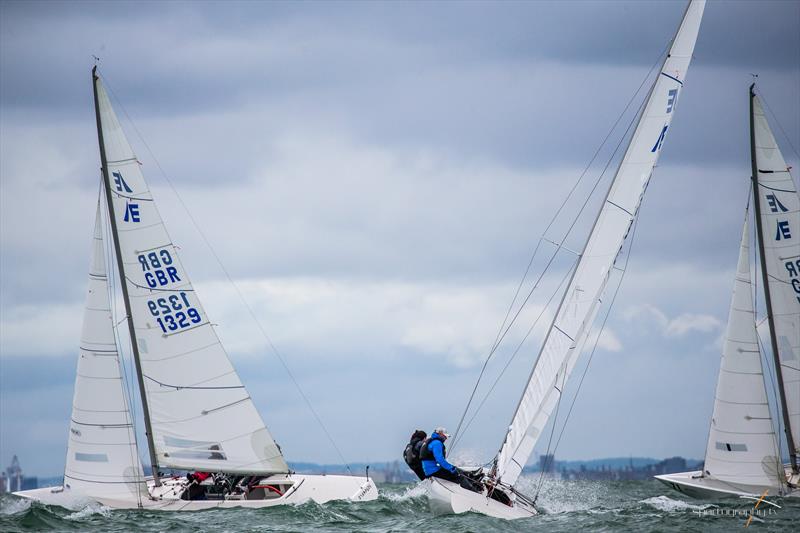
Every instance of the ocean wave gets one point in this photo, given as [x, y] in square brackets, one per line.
[89, 510]
[412, 492]
[14, 506]
[665, 503]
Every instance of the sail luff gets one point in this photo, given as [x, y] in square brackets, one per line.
[121, 269]
[782, 201]
[580, 301]
[742, 447]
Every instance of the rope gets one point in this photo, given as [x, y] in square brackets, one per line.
[230, 280]
[501, 332]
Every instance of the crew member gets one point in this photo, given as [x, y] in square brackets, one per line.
[434, 463]
[411, 453]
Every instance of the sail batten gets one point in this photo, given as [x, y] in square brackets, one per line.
[580, 304]
[200, 414]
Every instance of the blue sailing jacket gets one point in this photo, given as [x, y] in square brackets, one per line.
[436, 448]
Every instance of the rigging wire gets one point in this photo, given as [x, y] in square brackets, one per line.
[230, 280]
[499, 337]
[778, 436]
[772, 378]
[566, 235]
[624, 270]
[127, 373]
[778, 122]
[513, 355]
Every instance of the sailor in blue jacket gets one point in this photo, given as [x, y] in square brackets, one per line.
[434, 463]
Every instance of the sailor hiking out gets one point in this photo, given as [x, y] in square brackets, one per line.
[411, 453]
[434, 462]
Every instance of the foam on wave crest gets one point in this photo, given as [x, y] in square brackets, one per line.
[14, 506]
[665, 503]
[89, 510]
[415, 491]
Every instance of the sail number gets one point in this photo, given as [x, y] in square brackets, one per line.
[174, 312]
[793, 267]
[158, 268]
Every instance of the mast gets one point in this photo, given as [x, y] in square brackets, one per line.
[787, 428]
[121, 268]
[580, 302]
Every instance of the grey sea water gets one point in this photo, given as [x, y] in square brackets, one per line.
[566, 506]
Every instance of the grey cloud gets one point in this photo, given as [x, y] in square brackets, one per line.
[386, 143]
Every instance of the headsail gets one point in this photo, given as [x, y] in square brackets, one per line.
[102, 458]
[742, 444]
[779, 225]
[581, 300]
[201, 415]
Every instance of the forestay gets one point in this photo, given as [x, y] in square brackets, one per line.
[580, 303]
[780, 222]
[201, 415]
[102, 458]
[742, 444]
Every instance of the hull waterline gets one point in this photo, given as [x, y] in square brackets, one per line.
[317, 488]
[450, 498]
[694, 485]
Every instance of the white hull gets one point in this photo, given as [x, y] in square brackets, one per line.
[708, 488]
[304, 488]
[446, 497]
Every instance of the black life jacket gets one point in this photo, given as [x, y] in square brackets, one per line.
[411, 453]
[425, 452]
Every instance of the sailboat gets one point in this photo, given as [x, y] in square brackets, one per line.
[580, 302]
[198, 415]
[743, 452]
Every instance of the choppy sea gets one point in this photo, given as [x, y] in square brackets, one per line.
[565, 506]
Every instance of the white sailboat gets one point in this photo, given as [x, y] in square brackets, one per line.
[198, 415]
[743, 453]
[569, 330]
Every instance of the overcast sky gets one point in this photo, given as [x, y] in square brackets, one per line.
[374, 177]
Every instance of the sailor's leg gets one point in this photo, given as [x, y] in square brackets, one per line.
[455, 477]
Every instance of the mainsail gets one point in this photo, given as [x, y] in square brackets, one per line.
[579, 306]
[742, 444]
[200, 415]
[102, 458]
[778, 207]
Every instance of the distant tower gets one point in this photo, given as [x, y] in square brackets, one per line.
[14, 475]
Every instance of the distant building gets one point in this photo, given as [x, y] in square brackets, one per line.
[629, 471]
[671, 465]
[547, 463]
